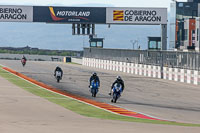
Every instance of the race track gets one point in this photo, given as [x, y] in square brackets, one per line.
[159, 98]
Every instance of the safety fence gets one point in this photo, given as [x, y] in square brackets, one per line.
[170, 59]
[170, 65]
[175, 74]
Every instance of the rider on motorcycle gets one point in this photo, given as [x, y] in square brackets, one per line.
[94, 77]
[24, 58]
[59, 70]
[117, 81]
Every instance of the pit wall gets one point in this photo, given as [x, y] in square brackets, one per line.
[175, 74]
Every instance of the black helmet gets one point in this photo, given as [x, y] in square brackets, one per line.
[118, 78]
[94, 74]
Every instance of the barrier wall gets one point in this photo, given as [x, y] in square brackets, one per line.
[173, 59]
[39, 57]
[175, 74]
[31, 57]
[77, 60]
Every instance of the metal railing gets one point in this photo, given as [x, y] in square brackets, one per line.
[173, 59]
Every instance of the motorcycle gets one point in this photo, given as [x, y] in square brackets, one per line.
[23, 61]
[58, 76]
[94, 87]
[117, 89]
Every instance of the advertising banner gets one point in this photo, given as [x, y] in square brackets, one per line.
[199, 10]
[145, 16]
[16, 13]
[69, 14]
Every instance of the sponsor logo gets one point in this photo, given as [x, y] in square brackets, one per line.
[136, 16]
[118, 15]
[12, 14]
[69, 15]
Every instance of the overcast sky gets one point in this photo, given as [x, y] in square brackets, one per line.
[22, 34]
[116, 3]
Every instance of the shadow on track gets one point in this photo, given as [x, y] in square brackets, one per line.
[194, 109]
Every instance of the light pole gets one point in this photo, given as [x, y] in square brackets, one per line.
[133, 43]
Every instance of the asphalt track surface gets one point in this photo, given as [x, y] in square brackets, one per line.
[23, 112]
[156, 97]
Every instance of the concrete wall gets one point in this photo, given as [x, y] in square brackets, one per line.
[182, 75]
[77, 60]
[175, 74]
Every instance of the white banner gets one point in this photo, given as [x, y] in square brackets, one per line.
[16, 14]
[152, 16]
[199, 10]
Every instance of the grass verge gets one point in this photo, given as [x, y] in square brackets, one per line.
[73, 63]
[76, 106]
